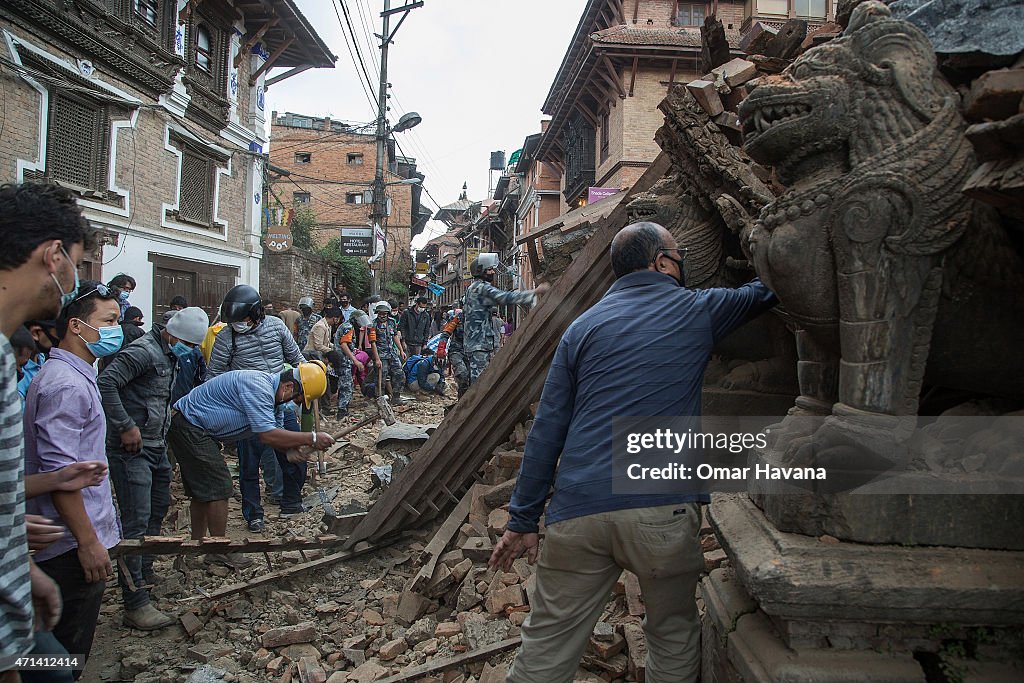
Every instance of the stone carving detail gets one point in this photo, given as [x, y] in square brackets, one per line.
[895, 281]
[873, 236]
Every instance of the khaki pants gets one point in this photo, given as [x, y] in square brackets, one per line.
[580, 561]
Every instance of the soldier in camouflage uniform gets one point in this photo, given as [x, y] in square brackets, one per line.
[387, 350]
[343, 341]
[451, 346]
[306, 321]
[479, 337]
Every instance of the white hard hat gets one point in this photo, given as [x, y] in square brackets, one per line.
[381, 305]
[189, 324]
[306, 301]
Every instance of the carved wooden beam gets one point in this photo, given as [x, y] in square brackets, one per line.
[632, 78]
[672, 75]
[249, 44]
[620, 13]
[636, 10]
[270, 62]
[615, 82]
[287, 74]
[590, 116]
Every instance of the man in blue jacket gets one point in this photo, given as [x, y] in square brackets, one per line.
[591, 533]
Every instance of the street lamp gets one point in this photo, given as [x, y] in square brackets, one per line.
[406, 181]
[408, 120]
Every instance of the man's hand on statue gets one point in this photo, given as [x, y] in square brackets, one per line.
[511, 546]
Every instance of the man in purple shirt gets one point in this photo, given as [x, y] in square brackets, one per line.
[64, 424]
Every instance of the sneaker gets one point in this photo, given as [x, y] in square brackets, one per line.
[292, 512]
[257, 526]
[147, 618]
[232, 560]
[342, 413]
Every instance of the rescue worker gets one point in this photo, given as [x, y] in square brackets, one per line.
[236, 406]
[344, 344]
[452, 347]
[386, 349]
[479, 337]
[256, 342]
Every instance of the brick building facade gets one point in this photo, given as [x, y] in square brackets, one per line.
[288, 276]
[603, 102]
[153, 114]
[330, 168]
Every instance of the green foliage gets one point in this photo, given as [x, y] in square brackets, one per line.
[396, 282]
[355, 272]
[303, 224]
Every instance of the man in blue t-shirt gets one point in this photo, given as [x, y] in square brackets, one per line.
[592, 534]
[232, 406]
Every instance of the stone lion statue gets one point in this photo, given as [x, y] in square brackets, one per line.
[896, 282]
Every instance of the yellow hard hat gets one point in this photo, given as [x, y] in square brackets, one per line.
[313, 378]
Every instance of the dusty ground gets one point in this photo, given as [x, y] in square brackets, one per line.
[235, 624]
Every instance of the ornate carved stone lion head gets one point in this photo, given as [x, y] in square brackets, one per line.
[846, 101]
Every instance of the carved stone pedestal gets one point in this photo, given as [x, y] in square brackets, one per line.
[794, 608]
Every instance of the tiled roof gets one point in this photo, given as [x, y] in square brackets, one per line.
[673, 37]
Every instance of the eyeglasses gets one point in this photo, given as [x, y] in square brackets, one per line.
[102, 290]
[682, 251]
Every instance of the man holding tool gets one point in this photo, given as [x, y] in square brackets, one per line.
[237, 405]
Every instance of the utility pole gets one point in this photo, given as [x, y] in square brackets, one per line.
[379, 214]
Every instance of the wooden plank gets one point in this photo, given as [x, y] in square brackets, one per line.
[291, 571]
[458, 660]
[531, 249]
[486, 415]
[632, 78]
[157, 545]
[441, 540]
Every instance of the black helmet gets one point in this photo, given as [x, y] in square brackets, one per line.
[475, 268]
[241, 302]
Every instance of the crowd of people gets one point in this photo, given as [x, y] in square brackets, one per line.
[97, 412]
[87, 455]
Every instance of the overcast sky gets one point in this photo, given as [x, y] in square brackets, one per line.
[477, 71]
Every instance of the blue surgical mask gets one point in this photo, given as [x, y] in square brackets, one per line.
[109, 343]
[123, 296]
[66, 297]
[181, 350]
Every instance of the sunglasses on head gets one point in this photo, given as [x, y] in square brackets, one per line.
[102, 290]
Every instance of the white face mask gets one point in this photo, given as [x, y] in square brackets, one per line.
[240, 328]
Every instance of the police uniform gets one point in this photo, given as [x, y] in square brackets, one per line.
[479, 337]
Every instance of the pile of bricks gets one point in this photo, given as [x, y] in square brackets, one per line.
[490, 606]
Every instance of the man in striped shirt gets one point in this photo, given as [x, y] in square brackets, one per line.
[42, 238]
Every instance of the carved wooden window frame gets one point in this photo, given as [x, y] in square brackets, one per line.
[160, 31]
[197, 171]
[77, 156]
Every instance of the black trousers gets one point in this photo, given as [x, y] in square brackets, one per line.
[82, 601]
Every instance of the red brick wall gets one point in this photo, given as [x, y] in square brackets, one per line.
[329, 165]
